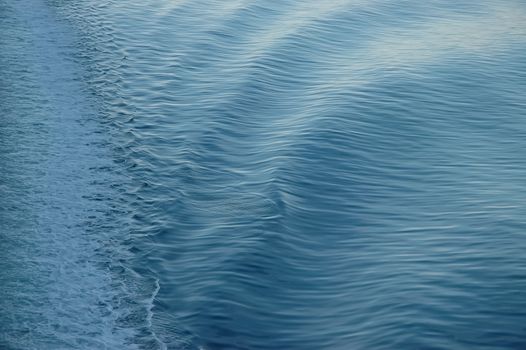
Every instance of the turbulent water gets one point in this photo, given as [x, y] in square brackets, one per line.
[262, 174]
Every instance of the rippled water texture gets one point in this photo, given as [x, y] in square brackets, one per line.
[260, 174]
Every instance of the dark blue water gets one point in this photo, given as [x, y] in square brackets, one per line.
[262, 174]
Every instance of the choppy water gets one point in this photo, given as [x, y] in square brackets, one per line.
[259, 174]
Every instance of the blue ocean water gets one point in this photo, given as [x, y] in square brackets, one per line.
[262, 174]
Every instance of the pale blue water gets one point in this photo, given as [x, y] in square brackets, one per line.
[260, 174]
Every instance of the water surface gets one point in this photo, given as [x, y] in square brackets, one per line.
[263, 174]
